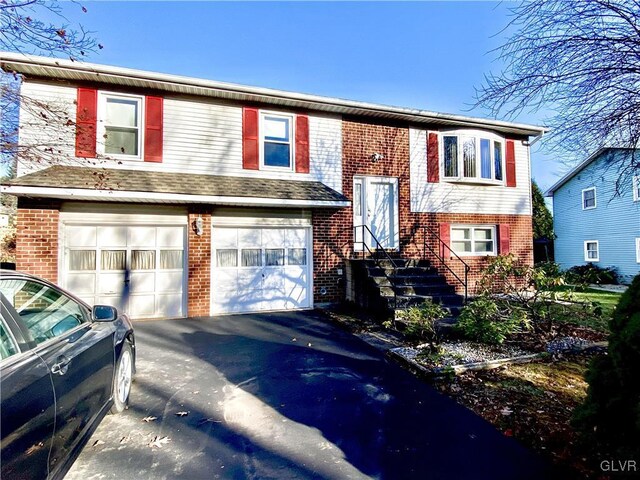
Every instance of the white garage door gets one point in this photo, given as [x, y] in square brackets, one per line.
[139, 269]
[260, 269]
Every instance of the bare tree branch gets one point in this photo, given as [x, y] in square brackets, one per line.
[580, 61]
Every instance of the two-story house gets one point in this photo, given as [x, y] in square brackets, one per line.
[596, 213]
[181, 196]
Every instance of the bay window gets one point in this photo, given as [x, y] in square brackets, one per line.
[472, 157]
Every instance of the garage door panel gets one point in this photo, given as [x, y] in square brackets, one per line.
[169, 282]
[273, 237]
[142, 305]
[170, 237]
[82, 283]
[111, 283]
[112, 236]
[225, 237]
[248, 279]
[81, 236]
[249, 237]
[297, 297]
[168, 306]
[143, 282]
[296, 238]
[142, 236]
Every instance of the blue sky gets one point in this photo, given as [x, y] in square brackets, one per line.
[427, 55]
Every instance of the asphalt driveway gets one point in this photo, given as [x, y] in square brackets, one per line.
[287, 396]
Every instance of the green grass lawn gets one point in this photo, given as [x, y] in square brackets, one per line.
[577, 313]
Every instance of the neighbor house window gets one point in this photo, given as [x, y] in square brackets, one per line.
[120, 123]
[472, 157]
[591, 251]
[638, 250]
[636, 189]
[473, 240]
[277, 147]
[589, 198]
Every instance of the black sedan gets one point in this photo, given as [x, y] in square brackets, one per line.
[63, 365]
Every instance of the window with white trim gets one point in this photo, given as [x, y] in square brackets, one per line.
[589, 198]
[276, 144]
[473, 157]
[591, 251]
[476, 240]
[636, 189]
[120, 125]
[638, 250]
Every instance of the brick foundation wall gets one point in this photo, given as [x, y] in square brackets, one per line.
[199, 275]
[37, 238]
[333, 233]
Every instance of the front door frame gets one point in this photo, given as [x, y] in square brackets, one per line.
[362, 213]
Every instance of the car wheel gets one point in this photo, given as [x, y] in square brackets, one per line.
[122, 379]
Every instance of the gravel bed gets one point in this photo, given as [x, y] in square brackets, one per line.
[463, 353]
[562, 344]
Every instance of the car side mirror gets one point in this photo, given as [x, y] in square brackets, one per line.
[104, 313]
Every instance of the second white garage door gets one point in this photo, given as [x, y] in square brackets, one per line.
[260, 269]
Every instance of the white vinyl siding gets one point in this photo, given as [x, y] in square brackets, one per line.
[591, 251]
[202, 136]
[589, 198]
[458, 197]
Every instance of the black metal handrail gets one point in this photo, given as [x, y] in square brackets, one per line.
[378, 248]
[442, 243]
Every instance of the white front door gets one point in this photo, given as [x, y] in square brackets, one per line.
[137, 268]
[375, 205]
[260, 269]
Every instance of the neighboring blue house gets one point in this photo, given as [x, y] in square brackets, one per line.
[593, 220]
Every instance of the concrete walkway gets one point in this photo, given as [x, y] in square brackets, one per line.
[288, 396]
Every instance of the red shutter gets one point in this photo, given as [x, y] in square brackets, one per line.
[504, 236]
[302, 144]
[445, 236]
[153, 137]
[250, 154]
[511, 164]
[86, 121]
[433, 162]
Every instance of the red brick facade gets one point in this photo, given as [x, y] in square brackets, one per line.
[333, 233]
[37, 239]
[199, 276]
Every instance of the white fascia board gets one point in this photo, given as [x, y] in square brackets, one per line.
[141, 197]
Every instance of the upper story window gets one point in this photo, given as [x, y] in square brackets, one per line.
[120, 120]
[589, 198]
[636, 189]
[469, 156]
[276, 140]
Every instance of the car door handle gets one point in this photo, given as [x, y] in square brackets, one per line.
[61, 366]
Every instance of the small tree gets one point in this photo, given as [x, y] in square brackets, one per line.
[610, 415]
[542, 219]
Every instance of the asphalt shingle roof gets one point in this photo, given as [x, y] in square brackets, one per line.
[177, 183]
